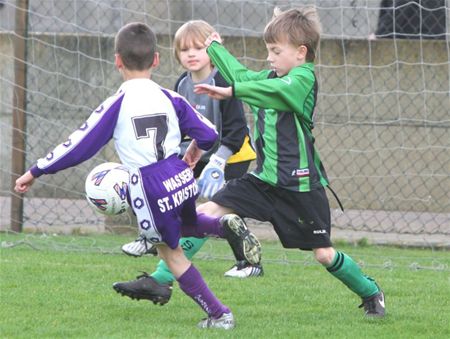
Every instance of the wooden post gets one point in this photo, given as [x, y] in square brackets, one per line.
[19, 108]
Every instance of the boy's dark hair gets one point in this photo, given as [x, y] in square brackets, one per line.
[136, 44]
[296, 27]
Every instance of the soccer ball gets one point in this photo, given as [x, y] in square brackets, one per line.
[107, 188]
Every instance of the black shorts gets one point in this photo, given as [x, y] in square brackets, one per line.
[232, 171]
[300, 219]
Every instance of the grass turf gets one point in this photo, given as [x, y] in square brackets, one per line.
[64, 291]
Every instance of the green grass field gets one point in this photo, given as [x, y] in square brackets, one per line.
[60, 287]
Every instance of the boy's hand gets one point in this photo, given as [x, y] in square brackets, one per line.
[24, 182]
[214, 92]
[214, 36]
[193, 154]
[212, 178]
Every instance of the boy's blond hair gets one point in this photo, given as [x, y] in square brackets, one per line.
[296, 27]
[191, 33]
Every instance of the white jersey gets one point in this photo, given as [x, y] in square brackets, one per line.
[146, 121]
[147, 127]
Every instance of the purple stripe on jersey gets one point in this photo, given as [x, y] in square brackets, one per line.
[192, 123]
[89, 144]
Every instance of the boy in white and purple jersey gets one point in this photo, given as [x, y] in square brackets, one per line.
[147, 123]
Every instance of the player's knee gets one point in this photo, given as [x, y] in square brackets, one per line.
[324, 256]
[212, 209]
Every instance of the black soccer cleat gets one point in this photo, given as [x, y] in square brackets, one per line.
[243, 242]
[145, 287]
[374, 305]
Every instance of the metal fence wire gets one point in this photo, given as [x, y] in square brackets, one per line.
[382, 118]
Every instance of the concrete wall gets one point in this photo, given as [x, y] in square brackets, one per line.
[353, 18]
[382, 124]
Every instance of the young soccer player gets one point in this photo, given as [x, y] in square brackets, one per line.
[146, 123]
[231, 156]
[287, 187]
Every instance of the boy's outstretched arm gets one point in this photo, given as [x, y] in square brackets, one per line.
[214, 92]
[229, 67]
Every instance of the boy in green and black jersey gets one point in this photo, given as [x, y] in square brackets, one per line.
[288, 186]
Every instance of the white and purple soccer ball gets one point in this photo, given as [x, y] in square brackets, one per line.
[106, 188]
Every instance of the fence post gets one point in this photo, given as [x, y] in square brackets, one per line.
[19, 108]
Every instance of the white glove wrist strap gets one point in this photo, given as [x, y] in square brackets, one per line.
[217, 161]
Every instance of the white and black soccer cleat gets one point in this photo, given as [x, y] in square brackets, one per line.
[226, 322]
[243, 269]
[139, 247]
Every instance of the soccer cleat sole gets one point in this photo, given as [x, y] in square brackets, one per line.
[251, 245]
[151, 251]
[161, 300]
[132, 255]
[246, 272]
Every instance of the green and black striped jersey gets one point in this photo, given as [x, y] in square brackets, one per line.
[283, 112]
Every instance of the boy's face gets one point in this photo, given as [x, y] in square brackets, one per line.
[194, 58]
[283, 57]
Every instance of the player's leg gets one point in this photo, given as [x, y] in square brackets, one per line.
[190, 246]
[246, 198]
[243, 242]
[194, 236]
[339, 264]
[192, 284]
[159, 289]
[309, 220]
[205, 226]
[344, 268]
[242, 268]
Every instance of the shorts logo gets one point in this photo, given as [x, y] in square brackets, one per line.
[319, 232]
[304, 172]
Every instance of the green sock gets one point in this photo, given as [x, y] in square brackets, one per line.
[190, 246]
[347, 271]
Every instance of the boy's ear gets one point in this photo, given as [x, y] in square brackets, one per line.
[155, 60]
[302, 50]
[118, 61]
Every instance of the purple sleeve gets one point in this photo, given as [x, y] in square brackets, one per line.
[192, 123]
[84, 142]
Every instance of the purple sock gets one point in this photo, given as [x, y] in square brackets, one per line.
[206, 226]
[192, 283]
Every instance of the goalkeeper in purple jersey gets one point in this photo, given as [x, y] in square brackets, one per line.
[287, 186]
[147, 123]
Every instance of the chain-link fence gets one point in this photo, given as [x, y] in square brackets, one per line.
[383, 118]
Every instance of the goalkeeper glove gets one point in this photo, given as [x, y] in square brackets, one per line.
[212, 177]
